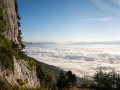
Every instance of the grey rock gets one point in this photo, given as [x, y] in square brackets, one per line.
[11, 19]
[21, 71]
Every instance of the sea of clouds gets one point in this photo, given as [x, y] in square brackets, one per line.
[80, 59]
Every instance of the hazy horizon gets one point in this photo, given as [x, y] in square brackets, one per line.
[77, 42]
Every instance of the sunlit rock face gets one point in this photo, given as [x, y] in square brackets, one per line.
[21, 73]
[10, 16]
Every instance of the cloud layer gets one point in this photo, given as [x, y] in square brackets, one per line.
[81, 59]
[110, 5]
[104, 19]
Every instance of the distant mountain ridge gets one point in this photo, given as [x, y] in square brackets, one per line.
[39, 42]
[117, 42]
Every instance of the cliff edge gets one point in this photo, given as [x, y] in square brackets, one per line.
[14, 69]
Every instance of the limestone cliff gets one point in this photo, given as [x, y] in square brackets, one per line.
[10, 15]
[21, 74]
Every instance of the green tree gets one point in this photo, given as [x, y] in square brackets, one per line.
[102, 79]
[87, 82]
[20, 39]
[61, 81]
[71, 79]
[66, 81]
[46, 76]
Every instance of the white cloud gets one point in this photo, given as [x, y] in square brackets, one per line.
[82, 60]
[103, 19]
[105, 5]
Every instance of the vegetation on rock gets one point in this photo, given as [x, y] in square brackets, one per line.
[2, 22]
[6, 52]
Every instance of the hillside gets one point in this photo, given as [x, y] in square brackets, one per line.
[17, 70]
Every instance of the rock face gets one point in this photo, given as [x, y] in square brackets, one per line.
[10, 15]
[21, 75]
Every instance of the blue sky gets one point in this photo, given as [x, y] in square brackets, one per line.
[70, 20]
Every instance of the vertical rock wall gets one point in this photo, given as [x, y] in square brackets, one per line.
[21, 72]
[10, 16]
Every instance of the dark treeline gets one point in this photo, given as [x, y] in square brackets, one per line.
[49, 80]
[66, 80]
[102, 81]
